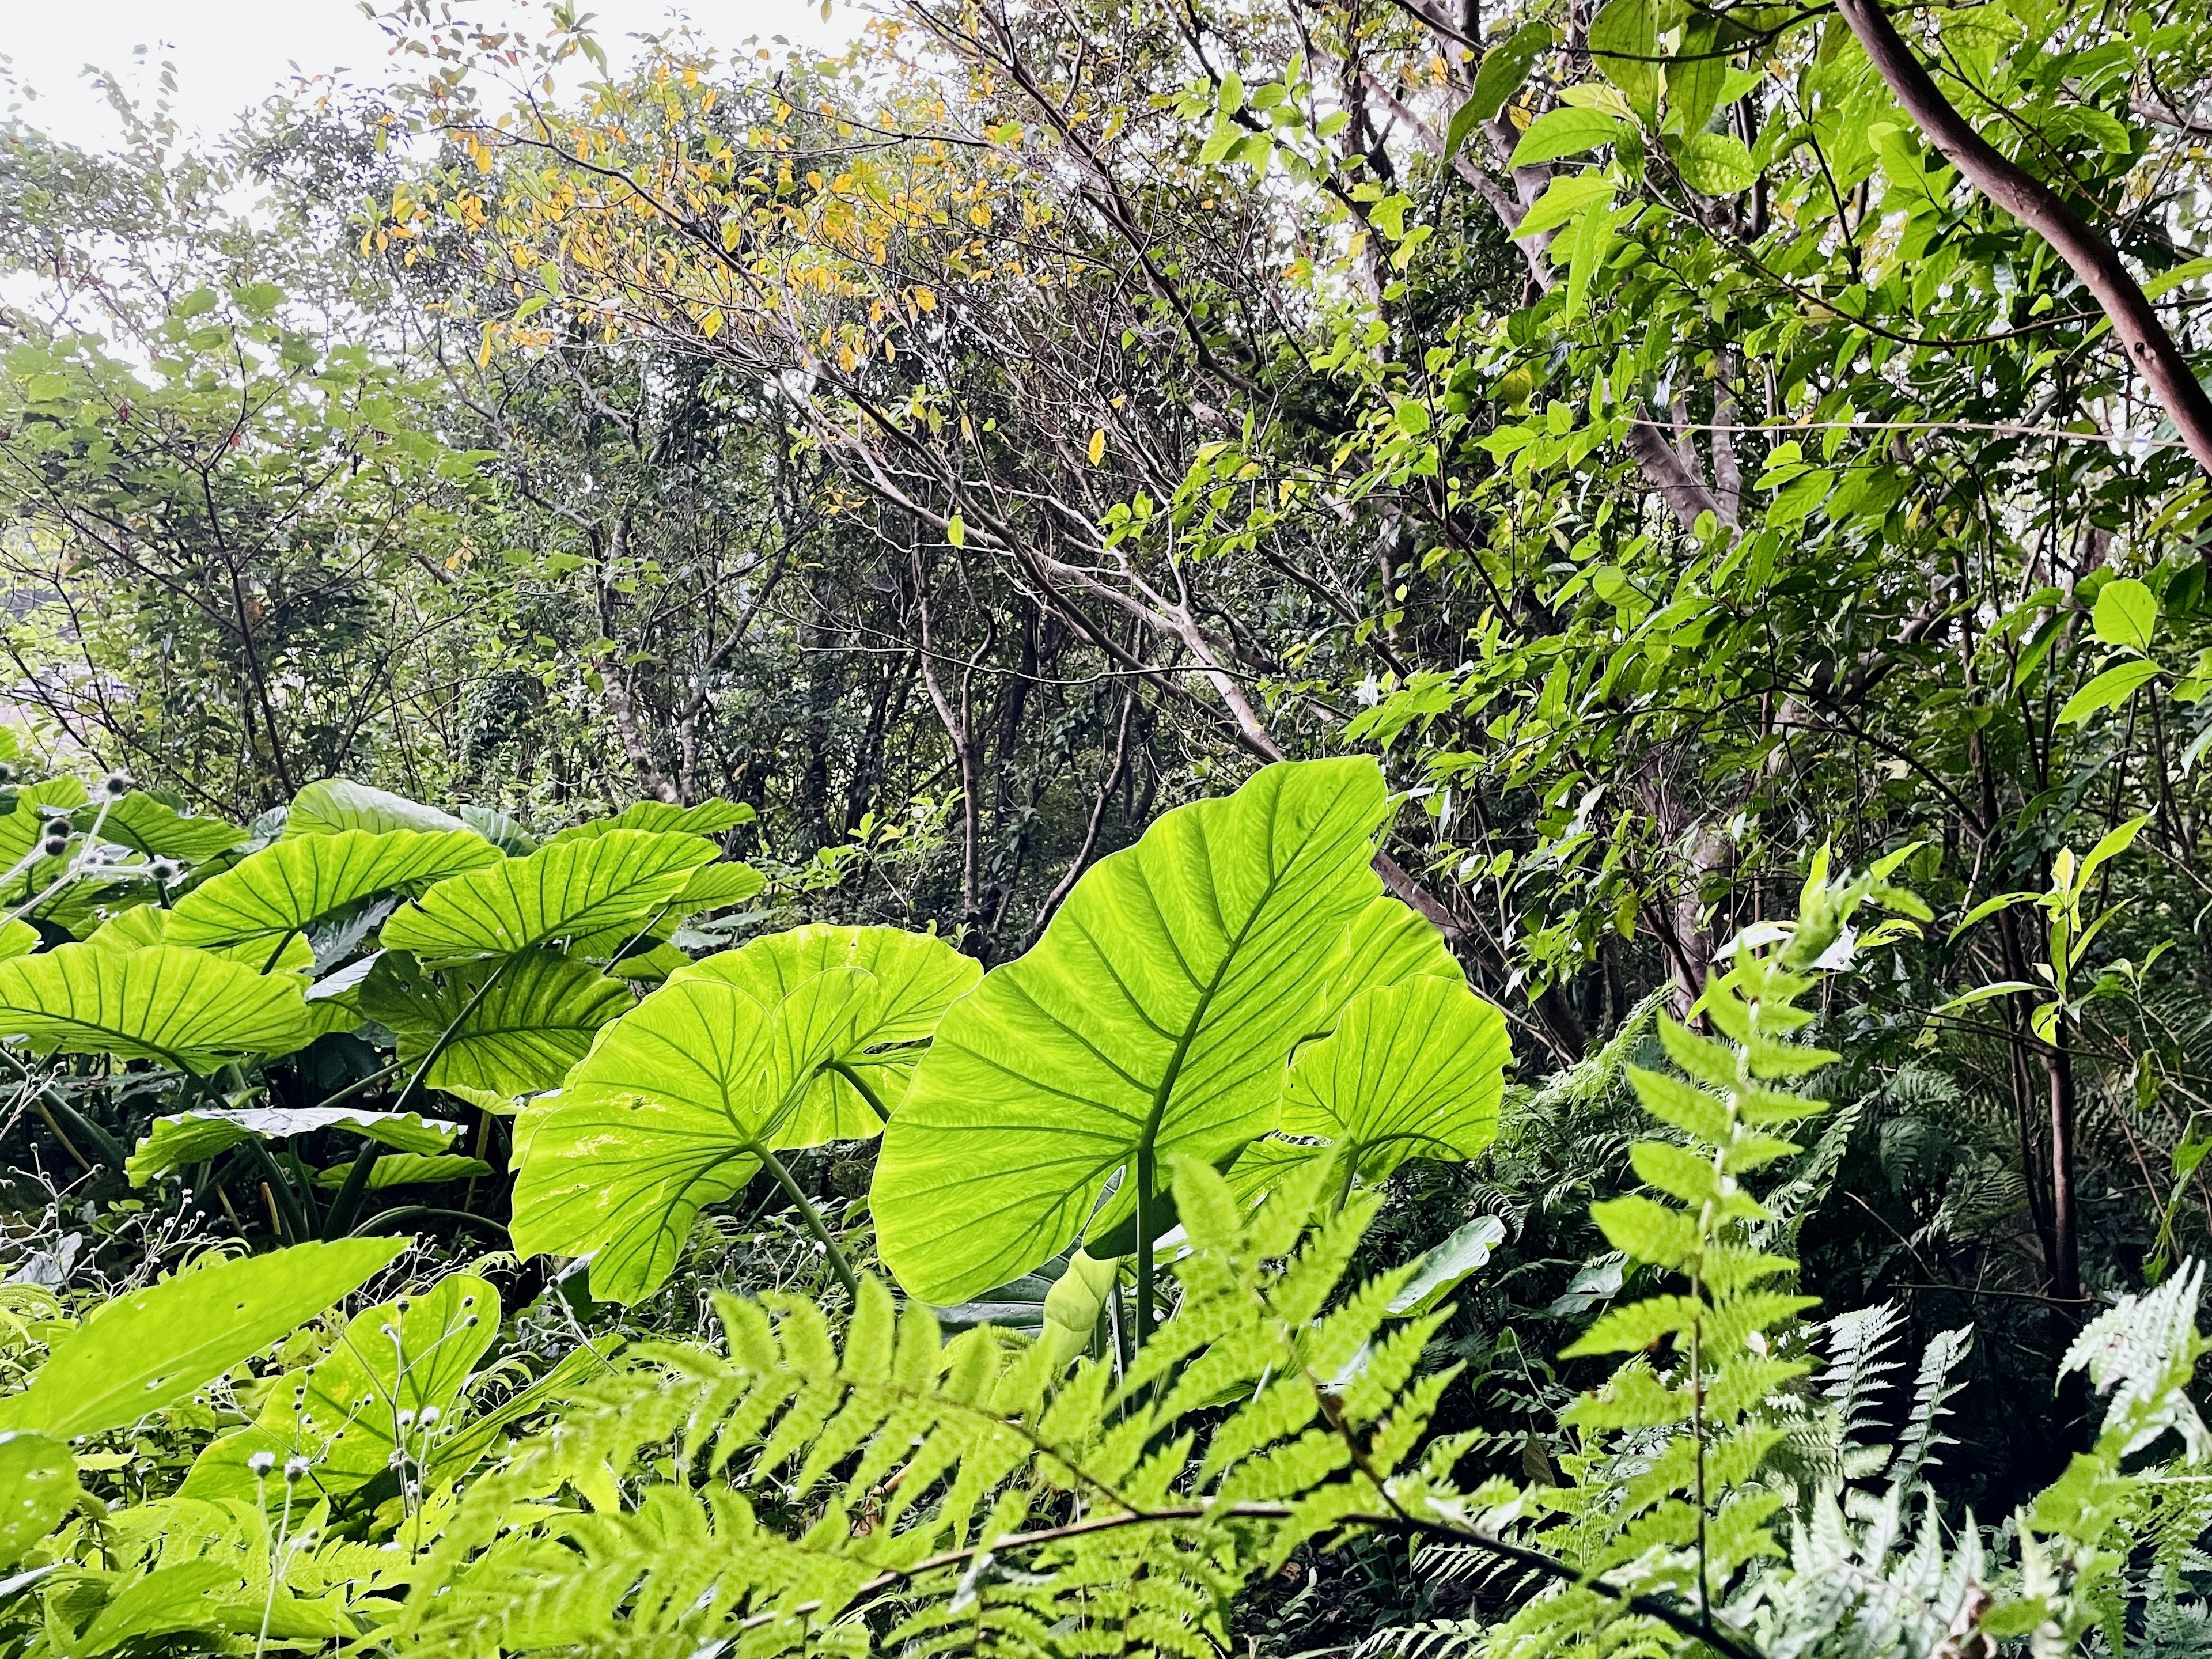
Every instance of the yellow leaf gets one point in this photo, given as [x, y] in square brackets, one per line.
[956, 531]
[1098, 446]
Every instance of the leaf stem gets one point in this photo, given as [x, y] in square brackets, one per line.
[860, 1087]
[813, 1217]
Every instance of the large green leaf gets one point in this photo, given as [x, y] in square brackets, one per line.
[38, 1486]
[708, 818]
[1154, 1020]
[918, 976]
[1415, 1070]
[146, 925]
[158, 830]
[194, 1137]
[520, 1037]
[334, 803]
[185, 1008]
[282, 889]
[407, 1169]
[151, 1348]
[667, 1114]
[627, 877]
[352, 1411]
[23, 827]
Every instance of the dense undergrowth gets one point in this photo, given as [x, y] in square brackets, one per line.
[1326, 827]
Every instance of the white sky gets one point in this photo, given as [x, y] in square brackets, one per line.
[230, 54]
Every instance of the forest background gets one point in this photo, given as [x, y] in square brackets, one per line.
[1633, 427]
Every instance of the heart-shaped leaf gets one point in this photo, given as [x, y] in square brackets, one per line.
[283, 889]
[151, 1348]
[149, 826]
[708, 818]
[918, 976]
[1154, 1020]
[669, 1113]
[564, 891]
[188, 1009]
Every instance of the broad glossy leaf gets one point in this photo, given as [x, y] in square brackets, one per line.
[334, 803]
[151, 1348]
[408, 1169]
[562, 891]
[38, 1486]
[1563, 132]
[1442, 1269]
[145, 924]
[284, 888]
[2126, 614]
[1153, 1019]
[917, 978]
[18, 939]
[2109, 690]
[1414, 1070]
[22, 828]
[152, 827]
[194, 1137]
[503, 829]
[189, 1009]
[352, 1410]
[666, 1114]
[520, 1037]
[708, 818]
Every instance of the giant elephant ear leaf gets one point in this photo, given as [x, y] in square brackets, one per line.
[336, 804]
[396, 1371]
[1153, 1019]
[708, 818]
[158, 830]
[623, 879]
[283, 889]
[1414, 1070]
[671, 1111]
[151, 1348]
[518, 1036]
[203, 1132]
[185, 1008]
[871, 1055]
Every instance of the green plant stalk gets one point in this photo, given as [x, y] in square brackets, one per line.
[865, 1093]
[51, 1106]
[276, 955]
[361, 1085]
[1143, 1321]
[384, 1219]
[337, 1220]
[813, 1217]
[280, 1186]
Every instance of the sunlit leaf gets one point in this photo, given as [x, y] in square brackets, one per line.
[193, 1137]
[561, 891]
[284, 888]
[520, 1036]
[185, 1008]
[152, 1348]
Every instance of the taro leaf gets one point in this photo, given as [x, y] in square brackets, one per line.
[711, 887]
[708, 818]
[38, 1486]
[145, 924]
[334, 803]
[18, 939]
[918, 977]
[352, 1411]
[153, 1347]
[23, 828]
[1153, 1020]
[285, 888]
[1414, 1070]
[717, 886]
[667, 1114]
[408, 1169]
[503, 829]
[1441, 1270]
[523, 1035]
[189, 1009]
[194, 1137]
[149, 826]
[560, 891]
